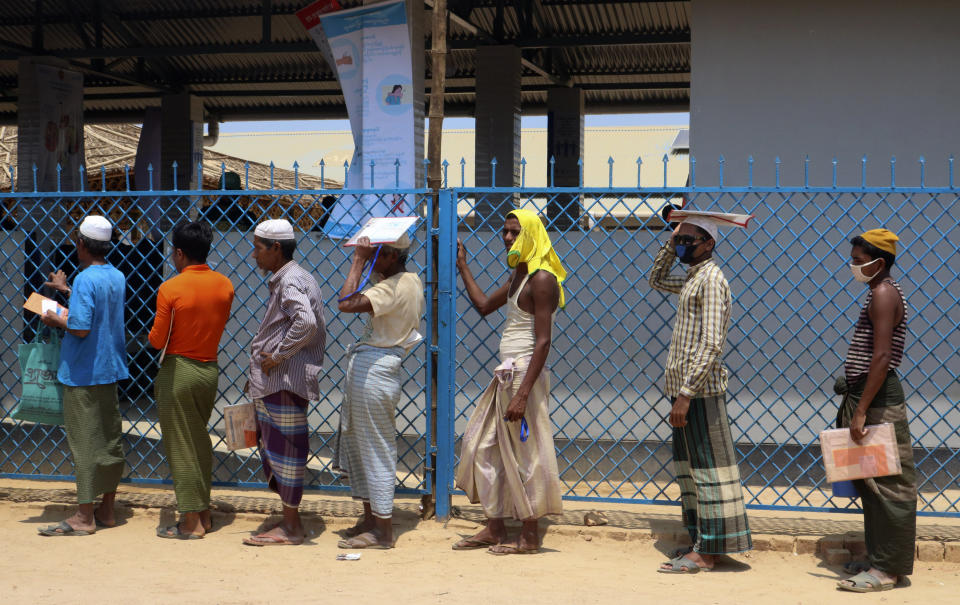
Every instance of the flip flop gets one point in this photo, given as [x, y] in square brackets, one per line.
[473, 544]
[865, 582]
[268, 540]
[173, 533]
[365, 540]
[682, 565]
[64, 529]
[500, 550]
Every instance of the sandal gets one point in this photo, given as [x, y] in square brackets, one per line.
[473, 544]
[365, 540]
[173, 533]
[64, 529]
[511, 549]
[269, 540]
[682, 565]
[865, 582]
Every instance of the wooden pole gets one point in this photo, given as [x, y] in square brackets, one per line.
[438, 68]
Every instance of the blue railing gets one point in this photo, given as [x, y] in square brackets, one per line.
[794, 307]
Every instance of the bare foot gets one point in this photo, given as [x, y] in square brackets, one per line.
[362, 525]
[77, 521]
[105, 516]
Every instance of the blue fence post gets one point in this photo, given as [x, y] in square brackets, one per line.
[446, 345]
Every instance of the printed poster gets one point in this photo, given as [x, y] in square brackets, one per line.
[50, 127]
[370, 49]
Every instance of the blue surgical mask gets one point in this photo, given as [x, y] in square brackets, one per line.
[684, 253]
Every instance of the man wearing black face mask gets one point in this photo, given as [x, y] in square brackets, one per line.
[696, 382]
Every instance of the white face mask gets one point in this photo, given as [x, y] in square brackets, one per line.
[858, 274]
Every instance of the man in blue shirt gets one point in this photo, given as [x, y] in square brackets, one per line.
[92, 360]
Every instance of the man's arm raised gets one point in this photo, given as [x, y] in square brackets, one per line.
[546, 298]
[485, 305]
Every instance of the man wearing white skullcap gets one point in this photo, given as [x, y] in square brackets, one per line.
[286, 357]
[696, 382]
[92, 360]
[366, 450]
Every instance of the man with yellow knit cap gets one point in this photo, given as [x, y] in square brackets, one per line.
[508, 462]
[872, 394]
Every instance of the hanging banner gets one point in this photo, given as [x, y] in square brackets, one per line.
[50, 127]
[370, 48]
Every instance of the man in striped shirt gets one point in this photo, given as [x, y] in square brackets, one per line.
[696, 382]
[286, 357]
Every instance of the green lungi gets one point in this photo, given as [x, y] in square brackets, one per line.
[889, 503]
[186, 391]
[91, 417]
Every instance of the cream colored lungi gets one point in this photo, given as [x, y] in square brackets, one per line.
[507, 476]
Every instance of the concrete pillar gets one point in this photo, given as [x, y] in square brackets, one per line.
[181, 139]
[497, 125]
[565, 145]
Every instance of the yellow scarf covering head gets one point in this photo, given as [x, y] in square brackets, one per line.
[534, 248]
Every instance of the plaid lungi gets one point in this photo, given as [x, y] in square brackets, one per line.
[284, 443]
[710, 491]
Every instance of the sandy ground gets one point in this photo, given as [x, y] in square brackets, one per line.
[129, 564]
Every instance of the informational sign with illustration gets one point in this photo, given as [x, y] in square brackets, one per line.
[370, 49]
[50, 120]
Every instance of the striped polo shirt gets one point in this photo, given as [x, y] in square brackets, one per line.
[860, 353]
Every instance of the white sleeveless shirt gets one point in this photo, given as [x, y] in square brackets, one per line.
[518, 340]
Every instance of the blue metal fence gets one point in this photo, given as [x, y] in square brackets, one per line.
[794, 307]
[38, 239]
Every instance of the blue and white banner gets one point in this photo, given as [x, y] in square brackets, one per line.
[371, 51]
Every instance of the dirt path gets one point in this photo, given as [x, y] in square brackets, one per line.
[129, 564]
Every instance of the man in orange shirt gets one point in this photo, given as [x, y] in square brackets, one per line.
[192, 311]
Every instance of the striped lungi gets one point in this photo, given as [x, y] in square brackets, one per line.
[91, 417]
[507, 476]
[186, 391]
[710, 491]
[366, 448]
[284, 443]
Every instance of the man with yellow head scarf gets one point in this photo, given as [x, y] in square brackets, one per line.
[508, 462]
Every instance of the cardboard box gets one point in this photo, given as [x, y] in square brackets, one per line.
[875, 456]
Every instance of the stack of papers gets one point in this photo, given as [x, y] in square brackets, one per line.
[384, 230]
[875, 456]
[39, 304]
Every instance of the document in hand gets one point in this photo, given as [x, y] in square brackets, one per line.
[240, 420]
[384, 230]
[39, 304]
[875, 456]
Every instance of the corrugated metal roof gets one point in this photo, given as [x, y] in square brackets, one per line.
[619, 50]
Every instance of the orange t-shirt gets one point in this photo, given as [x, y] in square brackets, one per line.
[201, 300]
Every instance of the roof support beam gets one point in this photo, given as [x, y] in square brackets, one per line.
[567, 41]
[486, 37]
[38, 26]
